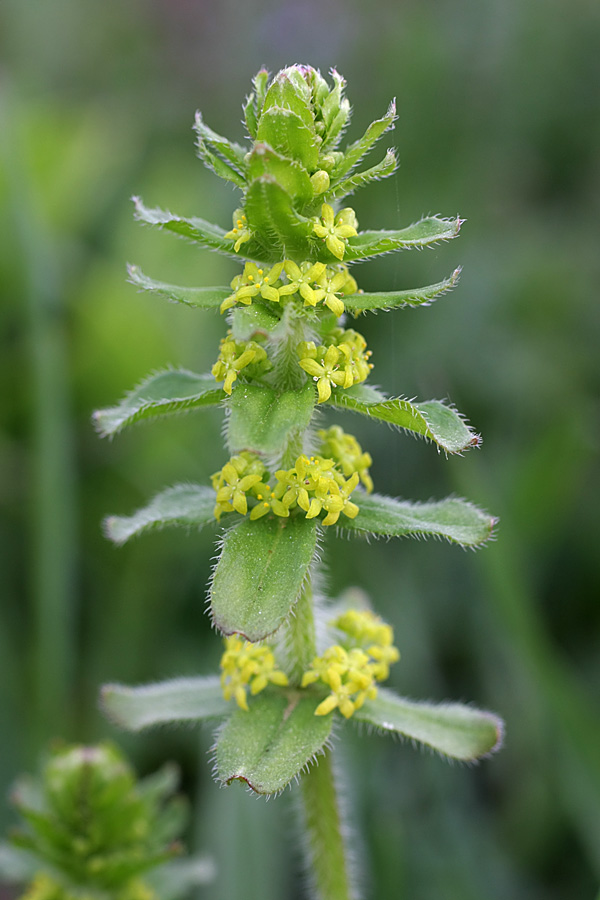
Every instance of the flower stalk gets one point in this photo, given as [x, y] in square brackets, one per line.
[294, 664]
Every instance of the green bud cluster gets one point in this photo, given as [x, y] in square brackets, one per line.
[93, 829]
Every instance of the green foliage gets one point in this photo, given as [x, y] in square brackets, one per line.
[288, 354]
[91, 831]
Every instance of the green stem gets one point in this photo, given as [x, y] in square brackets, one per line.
[327, 853]
[287, 374]
[300, 638]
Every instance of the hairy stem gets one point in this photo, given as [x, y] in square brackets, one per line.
[324, 824]
[300, 637]
[287, 374]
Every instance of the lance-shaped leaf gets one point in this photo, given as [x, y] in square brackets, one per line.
[182, 504]
[264, 421]
[356, 151]
[248, 321]
[456, 520]
[260, 574]
[399, 299]
[386, 167]
[432, 419]
[272, 743]
[198, 230]
[272, 216]
[288, 173]
[179, 700]
[453, 729]
[201, 298]
[286, 132]
[164, 393]
[229, 150]
[422, 234]
[219, 166]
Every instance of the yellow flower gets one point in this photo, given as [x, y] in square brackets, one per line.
[235, 356]
[231, 483]
[347, 674]
[245, 665]
[252, 282]
[322, 364]
[302, 280]
[347, 453]
[335, 230]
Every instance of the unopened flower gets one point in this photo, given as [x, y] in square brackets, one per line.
[240, 231]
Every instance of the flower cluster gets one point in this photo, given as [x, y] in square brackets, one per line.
[237, 355]
[313, 485]
[344, 362]
[366, 630]
[245, 665]
[335, 230]
[241, 474]
[314, 281]
[347, 454]
[351, 671]
[254, 282]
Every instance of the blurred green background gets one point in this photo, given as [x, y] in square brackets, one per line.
[499, 120]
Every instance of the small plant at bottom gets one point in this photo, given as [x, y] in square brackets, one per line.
[91, 831]
[295, 662]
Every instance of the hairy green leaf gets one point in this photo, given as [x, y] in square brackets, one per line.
[201, 298]
[383, 169]
[198, 230]
[260, 574]
[432, 419]
[247, 321]
[231, 151]
[219, 166]
[456, 520]
[459, 731]
[164, 393]
[356, 151]
[422, 234]
[272, 216]
[399, 299]
[286, 132]
[288, 173]
[272, 743]
[264, 421]
[182, 504]
[179, 700]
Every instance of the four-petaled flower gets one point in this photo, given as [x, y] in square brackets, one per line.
[335, 230]
[323, 367]
[251, 282]
[302, 280]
